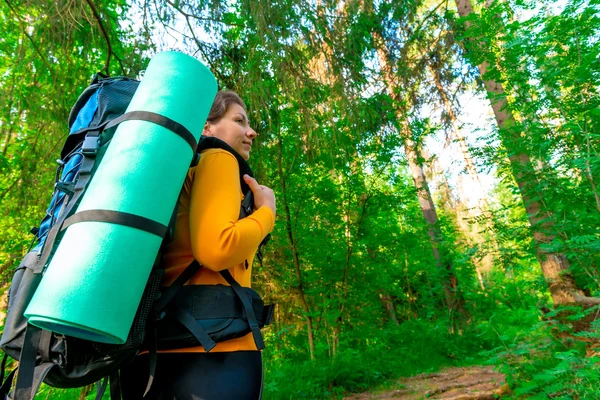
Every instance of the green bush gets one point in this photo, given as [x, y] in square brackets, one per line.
[545, 359]
[368, 360]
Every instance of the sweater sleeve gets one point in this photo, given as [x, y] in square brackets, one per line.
[219, 239]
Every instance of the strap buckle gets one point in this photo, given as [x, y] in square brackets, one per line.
[65, 187]
[90, 145]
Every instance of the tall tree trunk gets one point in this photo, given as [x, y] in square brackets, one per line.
[388, 306]
[411, 296]
[293, 245]
[454, 300]
[434, 231]
[447, 199]
[555, 266]
[483, 205]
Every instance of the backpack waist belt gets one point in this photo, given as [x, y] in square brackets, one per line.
[214, 310]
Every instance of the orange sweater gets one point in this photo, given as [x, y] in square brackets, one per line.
[208, 229]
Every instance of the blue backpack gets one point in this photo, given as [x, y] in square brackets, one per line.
[163, 319]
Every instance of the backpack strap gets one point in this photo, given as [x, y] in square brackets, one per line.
[7, 383]
[5, 388]
[115, 386]
[172, 290]
[153, 354]
[120, 218]
[147, 116]
[254, 326]
[101, 387]
[179, 313]
[30, 376]
[84, 176]
[3, 365]
[98, 76]
[27, 361]
[157, 119]
[186, 319]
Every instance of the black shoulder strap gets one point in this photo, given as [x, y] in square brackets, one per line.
[210, 142]
[30, 376]
[247, 304]
[171, 291]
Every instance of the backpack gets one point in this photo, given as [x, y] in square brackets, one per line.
[163, 319]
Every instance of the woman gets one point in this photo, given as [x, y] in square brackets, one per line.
[208, 229]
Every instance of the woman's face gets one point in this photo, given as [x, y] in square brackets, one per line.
[234, 129]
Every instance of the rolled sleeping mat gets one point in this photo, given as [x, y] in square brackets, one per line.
[94, 283]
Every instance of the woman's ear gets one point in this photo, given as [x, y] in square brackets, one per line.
[206, 130]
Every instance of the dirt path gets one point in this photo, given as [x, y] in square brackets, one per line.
[467, 383]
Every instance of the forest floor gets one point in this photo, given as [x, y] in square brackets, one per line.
[465, 383]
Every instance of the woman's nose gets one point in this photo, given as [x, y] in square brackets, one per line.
[251, 133]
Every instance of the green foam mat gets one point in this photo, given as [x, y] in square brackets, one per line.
[94, 282]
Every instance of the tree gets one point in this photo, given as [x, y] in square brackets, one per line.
[555, 265]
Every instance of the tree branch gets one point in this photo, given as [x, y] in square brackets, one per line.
[109, 50]
[585, 300]
[188, 15]
[44, 60]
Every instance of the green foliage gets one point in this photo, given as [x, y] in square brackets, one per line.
[47, 58]
[539, 363]
[373, 357]
[351, 252]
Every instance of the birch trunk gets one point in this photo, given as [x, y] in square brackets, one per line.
[454, 301]
[555, 266]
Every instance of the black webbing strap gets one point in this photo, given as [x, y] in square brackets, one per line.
[39, 375]
[27, 361]
[44, 348]
[187, 320]
[153, 354]
[30, 376]
[117, 217]
[147, 116]
[172, 290]
[247, 308]
[3, 366]
[115, 386]
[70, 201]
[157, 119]
[7, 384]
[101, 387]
[247, 205]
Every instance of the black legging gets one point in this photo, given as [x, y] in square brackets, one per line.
[196, 376]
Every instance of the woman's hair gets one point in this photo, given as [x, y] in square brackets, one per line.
[223, 100]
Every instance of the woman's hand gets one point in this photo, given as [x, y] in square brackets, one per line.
[263, 196]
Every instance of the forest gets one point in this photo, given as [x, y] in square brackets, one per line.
[435, 163]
